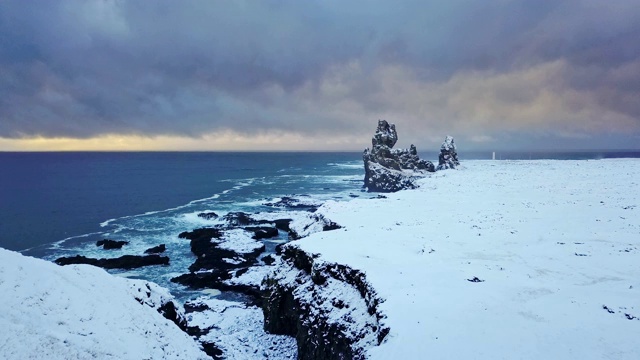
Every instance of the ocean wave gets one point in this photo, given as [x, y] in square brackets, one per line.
[243, 183]
[348, 165]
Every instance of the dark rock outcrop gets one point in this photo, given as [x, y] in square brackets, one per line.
[214, 265]
[262, 232]
[388, 170]
[269, 259]
[111, 244]
[156, 249]
[302, 300]
[171, 312]
[211, 257]
[148, 295]
[448, 158]
[208, 215]
[294, 203]
[123, 262]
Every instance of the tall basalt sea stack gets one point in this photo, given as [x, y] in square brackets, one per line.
[388, 169]
[448, 158]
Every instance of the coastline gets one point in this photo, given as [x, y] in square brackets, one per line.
[497, 259]
[500, 259]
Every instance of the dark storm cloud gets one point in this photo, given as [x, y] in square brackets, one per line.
[85, 68]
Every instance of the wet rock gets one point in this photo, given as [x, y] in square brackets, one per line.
[388, 170]
[156, 249]
[241, 219]
[448, 158]
[215, 264]
[215, 279]
[123, 262]
[294, 203]
[208, 215]
[202, 233]
[108, 244]
[262, 232]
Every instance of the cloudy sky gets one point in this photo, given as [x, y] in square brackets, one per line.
[317, 75]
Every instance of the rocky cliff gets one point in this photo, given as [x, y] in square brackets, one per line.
[330, 308]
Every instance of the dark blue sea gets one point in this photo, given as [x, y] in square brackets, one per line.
[59, 204]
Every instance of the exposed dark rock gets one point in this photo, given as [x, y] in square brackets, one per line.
[208, 215]
[123, 262]
[212, 350]
[111, 244]
[269, 260]
[218, 263]
[145, 296]
[314, 223]
[169, 311]
[475, 280]
[241, 219]
[293, 203]
[215, 279]
[156, 249]
[331, 226]
[388, 170]
[202, 233]
[297, 304]
[210, 256]
[202, 280]
[282, 224]
[448, 158]
[262, 232]
[195, 306]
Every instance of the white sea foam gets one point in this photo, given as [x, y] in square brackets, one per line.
[348, 165]
[240, 185]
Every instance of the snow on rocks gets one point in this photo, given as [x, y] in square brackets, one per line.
[82, 312]
[330, 308]
[388, 170]
[237, 330]
[448, 158]
[309, 223]
[516, 226]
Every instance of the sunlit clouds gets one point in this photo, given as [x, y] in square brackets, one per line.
[218, 75]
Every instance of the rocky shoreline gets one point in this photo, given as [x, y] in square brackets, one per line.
[330, 309]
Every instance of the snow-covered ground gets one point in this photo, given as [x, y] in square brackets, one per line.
[501, 260]
[82, 312]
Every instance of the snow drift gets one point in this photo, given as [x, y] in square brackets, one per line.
[82, 312]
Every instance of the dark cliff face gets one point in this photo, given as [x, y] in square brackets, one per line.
[390, 170]
[330, 308]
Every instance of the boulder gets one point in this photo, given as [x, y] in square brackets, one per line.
[123, 262]
[390, 170]
[448, 158]
[111, 244]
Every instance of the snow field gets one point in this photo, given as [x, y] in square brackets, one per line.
[554, 246]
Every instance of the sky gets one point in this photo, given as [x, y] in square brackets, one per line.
[317, 75]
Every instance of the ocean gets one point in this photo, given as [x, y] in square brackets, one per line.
[60, 204]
